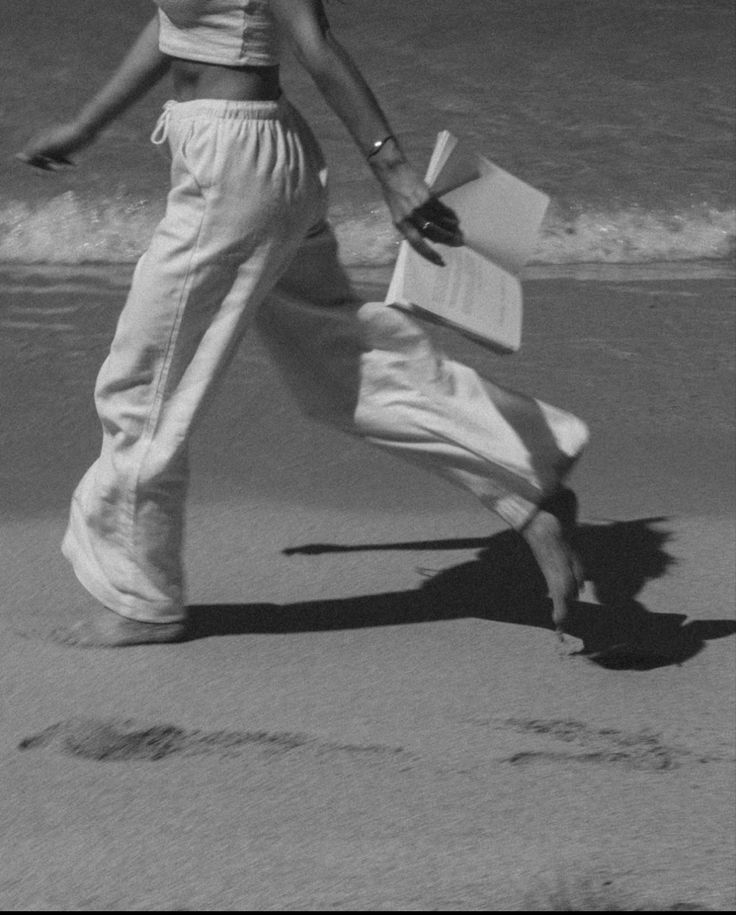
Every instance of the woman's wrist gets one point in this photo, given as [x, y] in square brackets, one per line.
[386, 156]
[378, 145]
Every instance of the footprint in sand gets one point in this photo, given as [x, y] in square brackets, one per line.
[112, 740]
[641, 750]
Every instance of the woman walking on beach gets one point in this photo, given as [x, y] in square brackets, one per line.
[245, 239]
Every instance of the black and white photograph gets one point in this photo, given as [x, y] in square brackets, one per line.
[368, 455]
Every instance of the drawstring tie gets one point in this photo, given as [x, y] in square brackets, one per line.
[161, 130]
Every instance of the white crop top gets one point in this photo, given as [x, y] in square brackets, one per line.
[234, 33]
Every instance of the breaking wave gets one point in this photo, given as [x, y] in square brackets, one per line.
[69, 230]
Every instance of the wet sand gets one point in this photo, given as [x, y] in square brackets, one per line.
[373, 714]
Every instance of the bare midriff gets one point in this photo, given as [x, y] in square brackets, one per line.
[195, 80]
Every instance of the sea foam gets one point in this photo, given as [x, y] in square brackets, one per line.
[69, 230]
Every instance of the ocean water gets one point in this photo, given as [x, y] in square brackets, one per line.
[621, 110]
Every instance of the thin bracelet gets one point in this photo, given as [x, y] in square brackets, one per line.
[378, 145]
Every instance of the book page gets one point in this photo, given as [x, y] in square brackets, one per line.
[499, 216]
[478, 290]
[451, 165]
[470, 293]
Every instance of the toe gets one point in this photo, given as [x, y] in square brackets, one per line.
[569, 645]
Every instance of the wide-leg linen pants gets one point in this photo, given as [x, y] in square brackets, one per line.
[245, 239]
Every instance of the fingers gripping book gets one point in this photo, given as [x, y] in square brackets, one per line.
[478, 291]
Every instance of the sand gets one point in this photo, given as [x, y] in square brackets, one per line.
[373, 715]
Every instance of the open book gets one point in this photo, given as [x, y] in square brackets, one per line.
[478, 290]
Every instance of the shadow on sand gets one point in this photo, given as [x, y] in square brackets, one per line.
[503, 584]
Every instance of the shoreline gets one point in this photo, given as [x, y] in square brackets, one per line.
[369, 274]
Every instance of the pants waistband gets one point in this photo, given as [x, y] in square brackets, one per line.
[218, 108]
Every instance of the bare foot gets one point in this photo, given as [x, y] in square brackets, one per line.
[560, 565]
[110, 630]
[569, 645]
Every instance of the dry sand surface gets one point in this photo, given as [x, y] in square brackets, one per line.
[373, 715]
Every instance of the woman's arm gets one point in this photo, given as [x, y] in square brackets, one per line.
[142, 67]
[413, 209]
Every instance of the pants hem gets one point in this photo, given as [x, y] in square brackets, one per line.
[141, 612]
